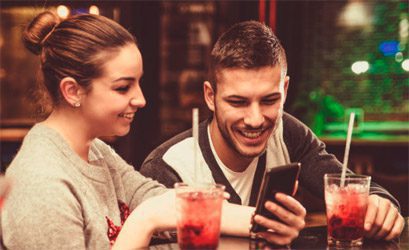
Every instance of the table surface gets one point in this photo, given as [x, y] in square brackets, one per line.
[314, 236]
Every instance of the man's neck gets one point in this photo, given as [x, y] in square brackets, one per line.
[230, 158]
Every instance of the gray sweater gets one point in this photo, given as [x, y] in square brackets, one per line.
[59, 201]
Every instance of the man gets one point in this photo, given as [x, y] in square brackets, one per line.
[249, 132]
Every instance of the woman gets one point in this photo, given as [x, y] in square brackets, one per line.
[69, 187]
[71, 190]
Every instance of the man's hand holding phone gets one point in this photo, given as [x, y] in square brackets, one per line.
[278, 216]
[292, 220]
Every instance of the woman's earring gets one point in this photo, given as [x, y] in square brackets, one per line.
[77, 104]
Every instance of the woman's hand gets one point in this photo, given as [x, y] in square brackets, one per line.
[161, 210]
[154, 214]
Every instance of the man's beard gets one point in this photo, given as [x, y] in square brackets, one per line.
[224, 130]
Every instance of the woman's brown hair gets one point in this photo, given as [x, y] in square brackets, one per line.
[76, 47]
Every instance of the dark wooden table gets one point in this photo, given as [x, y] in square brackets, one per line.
[314, 236]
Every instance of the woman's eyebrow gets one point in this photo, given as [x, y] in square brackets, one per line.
[126, 78]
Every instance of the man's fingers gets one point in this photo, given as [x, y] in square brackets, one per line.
[382, 220]
[371, 212]
[226, 195]
[291, 216]
[285, 216]
[277, 227]
[291, 204]
[397, 228]
[275, 238]
[388, 223]
[383, 210]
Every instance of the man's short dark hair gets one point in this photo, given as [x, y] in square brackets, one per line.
[246, 45]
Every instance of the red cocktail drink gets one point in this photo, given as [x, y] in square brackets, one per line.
[346, 208]
[198, 216]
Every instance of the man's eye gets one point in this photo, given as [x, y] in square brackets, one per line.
[270, 101]
[122, 89]
[237, 103]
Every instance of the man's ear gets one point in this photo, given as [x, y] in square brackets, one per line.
[209, 95]
[286, 83]
[71, 91]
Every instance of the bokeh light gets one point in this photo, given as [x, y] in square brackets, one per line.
[359, 67]
[63, 11]
[93, 9]
[399, 57]
[405, 65]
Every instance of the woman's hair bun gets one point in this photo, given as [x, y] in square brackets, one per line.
[36, 32]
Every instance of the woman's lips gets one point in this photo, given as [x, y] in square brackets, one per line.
[128, 116]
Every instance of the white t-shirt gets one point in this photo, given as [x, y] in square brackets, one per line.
[242, 182]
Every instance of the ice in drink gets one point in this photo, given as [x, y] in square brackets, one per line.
[346, 208]
[198, 216]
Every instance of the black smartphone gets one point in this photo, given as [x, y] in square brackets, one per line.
[278, 179]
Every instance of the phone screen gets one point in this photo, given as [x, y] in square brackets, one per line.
[278, 179]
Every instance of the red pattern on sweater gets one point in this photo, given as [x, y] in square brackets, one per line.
[114, 230]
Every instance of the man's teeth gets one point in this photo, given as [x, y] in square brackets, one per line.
[251, 134]
[128, 116]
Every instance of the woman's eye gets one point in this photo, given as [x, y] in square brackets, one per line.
[122, 89]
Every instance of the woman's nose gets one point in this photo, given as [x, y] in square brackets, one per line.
[138, 100]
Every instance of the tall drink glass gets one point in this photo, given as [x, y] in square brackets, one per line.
[346, 208]
[198, 211]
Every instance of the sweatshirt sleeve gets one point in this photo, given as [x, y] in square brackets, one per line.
[305, 147]
[42, 212]
[137, 187]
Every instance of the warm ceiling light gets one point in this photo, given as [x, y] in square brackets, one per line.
[93, 9]
[63, 11]
[355, 14]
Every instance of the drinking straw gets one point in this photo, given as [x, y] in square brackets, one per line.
[346, 155]
[195, 132]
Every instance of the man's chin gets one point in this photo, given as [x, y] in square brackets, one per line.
[251, 153]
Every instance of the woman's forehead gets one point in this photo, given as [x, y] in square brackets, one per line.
[126, 60]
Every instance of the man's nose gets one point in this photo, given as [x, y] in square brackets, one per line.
[254, 117]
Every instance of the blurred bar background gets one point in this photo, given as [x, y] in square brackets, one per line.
[343, 56]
